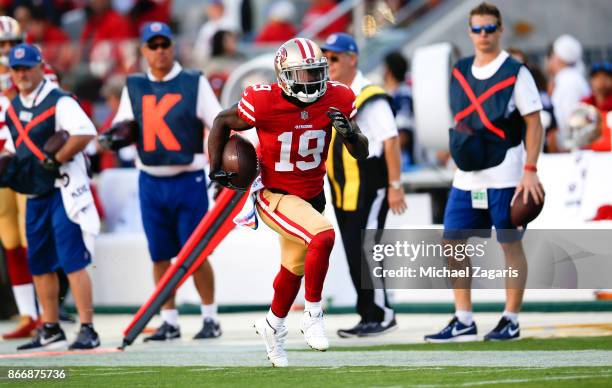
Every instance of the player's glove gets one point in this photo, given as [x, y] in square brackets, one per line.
[5, 160]
[120, 135]
[215, 188]
[51, 164]
[52, 146]
[223, 178]
[342, 124]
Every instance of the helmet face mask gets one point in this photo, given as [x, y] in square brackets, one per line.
[11, 35]
[301, 69]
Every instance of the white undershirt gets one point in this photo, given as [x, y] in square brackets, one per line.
[526, 99]
[375, 119]
[207, 108]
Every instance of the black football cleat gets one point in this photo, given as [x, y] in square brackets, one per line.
[46, 339]
[165, 332]
[211, 329]
[372, 329]
[352, 332]
[86, 339]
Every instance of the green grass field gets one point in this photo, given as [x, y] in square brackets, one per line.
[570, 343]
[330, 377]
[360, 376]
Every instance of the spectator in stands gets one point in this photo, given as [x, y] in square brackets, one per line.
[217, 20]
[547, 114]
[317, 10]
[54, 42]
[224, 55]
[601, 98]
[144, 11]
[105, 24]
[395, 69]
[569, 85]
[279, 27]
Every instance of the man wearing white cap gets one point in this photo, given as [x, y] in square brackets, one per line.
[570, 86]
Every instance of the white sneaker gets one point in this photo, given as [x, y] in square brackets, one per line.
[314, 331]
[274, 340]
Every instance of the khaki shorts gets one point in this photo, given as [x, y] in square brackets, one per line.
[12, 219]
[296, 222]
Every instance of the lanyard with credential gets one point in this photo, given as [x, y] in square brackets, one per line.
[38, 91]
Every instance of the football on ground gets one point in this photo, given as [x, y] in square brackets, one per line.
[240, 158]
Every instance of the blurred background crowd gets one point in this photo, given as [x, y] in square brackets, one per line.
[93, 45]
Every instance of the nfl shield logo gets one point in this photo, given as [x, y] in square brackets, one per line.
[304, 115]
[19, 53]
[156, 27]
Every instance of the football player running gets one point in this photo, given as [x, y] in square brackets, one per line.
[294, 120]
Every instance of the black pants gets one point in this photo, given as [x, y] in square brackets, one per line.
[372, 304]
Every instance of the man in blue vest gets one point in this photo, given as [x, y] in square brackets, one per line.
[61, 219]
[171, 105]
[496, 106]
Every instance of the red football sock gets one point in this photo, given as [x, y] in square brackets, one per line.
[286, 287]
[316, 264]
[17, 265]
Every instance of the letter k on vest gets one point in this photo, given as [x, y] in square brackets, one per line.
[153, 123]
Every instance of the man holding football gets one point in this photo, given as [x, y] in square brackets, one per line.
[294, 120]
[61, 219]
[170, 106]
[495, 144]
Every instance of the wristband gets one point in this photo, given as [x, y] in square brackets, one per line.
[530, 167]
[395, 184]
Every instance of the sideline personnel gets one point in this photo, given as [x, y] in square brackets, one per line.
[364, 191]
[487, 146]
[61, 218]
[170, 105]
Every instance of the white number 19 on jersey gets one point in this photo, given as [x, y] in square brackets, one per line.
[286, 139]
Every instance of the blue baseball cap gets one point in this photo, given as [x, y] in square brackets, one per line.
[341, 43]
[26, 55]
[153, 29]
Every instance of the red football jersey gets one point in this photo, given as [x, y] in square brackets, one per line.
[293, 140]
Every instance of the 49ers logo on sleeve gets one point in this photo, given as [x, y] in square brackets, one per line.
[154, 125]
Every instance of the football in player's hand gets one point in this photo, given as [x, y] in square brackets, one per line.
[55, 143]
[523, 213]
[240, 158]
[122, 134]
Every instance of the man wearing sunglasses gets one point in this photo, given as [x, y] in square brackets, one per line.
[497, 121]
[171, 107]
[363, 191]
